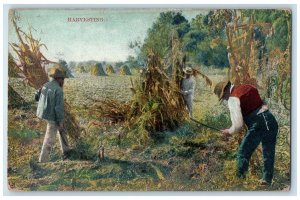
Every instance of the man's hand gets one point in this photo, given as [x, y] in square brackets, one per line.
[183, 92]
[61, 126]
[226, 133]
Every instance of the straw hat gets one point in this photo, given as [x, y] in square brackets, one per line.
[57, 72]
[188, 70]
[219, 88]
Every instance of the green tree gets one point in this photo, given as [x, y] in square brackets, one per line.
[280, 21]
[205, 46]
[159, 35]
[132, 62]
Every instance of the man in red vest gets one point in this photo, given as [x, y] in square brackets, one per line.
[246, 106]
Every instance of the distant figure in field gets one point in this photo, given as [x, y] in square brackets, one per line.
[247, 107]
[51, 108]
[188, 88]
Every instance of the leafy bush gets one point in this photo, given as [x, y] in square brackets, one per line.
[24, 134]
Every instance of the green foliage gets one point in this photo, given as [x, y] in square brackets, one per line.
[159, 35]
[202, 47]
[280, 21]
[132, 62]
[24, 134]
[48, 188]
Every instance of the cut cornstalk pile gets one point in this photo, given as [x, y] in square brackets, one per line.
[110, 109]
[32, 63]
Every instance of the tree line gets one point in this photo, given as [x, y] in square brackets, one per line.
[204, 39]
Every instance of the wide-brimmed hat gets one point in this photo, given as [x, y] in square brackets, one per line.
[188, 70]
[219, 88]
[57, 72]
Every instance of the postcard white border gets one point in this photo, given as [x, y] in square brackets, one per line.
[294, 185]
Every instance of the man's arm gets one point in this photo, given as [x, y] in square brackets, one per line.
[59, 106]
[235, 115]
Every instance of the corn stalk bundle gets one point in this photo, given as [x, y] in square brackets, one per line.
[13, 70]
[124, 70]
[14, 99]
[97, 70]
[109, 69]
[31, 63]
[157, 103]
[81, 69]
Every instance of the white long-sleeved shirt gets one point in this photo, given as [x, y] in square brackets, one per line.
[236, 116]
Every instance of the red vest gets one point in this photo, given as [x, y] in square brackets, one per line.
[249, 98]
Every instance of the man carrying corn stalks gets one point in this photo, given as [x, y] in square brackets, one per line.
[51, 108]
[246, 106]
[188, 88]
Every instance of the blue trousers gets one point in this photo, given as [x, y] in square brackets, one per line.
[262, 128]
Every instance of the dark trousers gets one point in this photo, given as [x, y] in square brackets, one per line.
[261, 128]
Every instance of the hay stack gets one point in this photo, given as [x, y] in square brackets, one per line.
[97, 70]
[81, 69]
[124, 70]
[109, 69]
[13, 70]
[14, 99]
[32, 64]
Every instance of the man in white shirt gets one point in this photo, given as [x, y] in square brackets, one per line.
[246, 106]
[188, 89]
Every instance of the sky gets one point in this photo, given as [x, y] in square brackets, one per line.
[104, 40]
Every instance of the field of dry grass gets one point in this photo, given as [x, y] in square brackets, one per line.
[191, 158]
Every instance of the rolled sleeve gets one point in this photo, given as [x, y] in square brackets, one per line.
[59, 106]
[235, 115]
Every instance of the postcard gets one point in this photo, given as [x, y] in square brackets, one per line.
[149, 99]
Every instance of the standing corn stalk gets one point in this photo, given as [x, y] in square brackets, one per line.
[242, 51]
[242, 47]
[32, 63]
